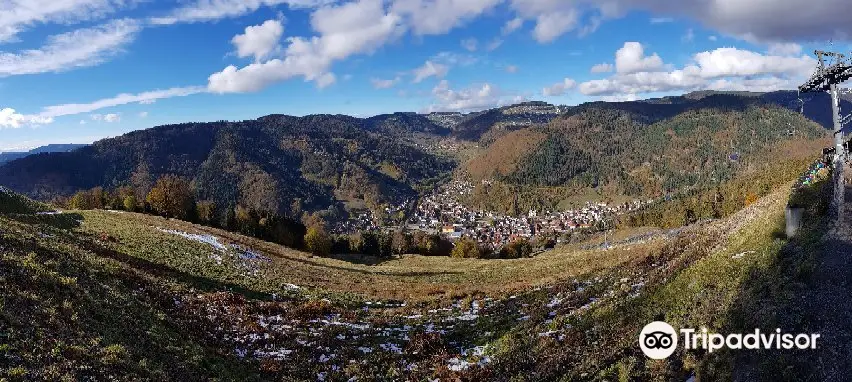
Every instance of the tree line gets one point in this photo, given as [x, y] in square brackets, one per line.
[172, 196]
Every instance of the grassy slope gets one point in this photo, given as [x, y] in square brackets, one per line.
[115, 296]
[69, 311]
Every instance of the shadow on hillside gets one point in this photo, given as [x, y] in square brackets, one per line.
[61, 221]
[806, 289]
[312, 263]
[361, 259]
[119, 306]
[164, 271]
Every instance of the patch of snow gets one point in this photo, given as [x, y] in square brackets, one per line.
[391, 347]
[742, 254]
[206, 239]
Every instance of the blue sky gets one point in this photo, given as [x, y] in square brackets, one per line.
[74, 71]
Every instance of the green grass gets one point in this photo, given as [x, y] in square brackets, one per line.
[110, 295]
[13, 203]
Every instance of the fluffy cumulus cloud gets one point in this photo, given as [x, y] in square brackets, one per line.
[719, 69]
[359, 27]
[9, 118]
[434, 17]
[559, 88]
[789, 48]
[429, 69]
[631, 59]
[473, 98]
[112, 117]
[75, 49]
[259, 41]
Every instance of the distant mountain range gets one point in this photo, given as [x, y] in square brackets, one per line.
[284, 164]
[52, 148]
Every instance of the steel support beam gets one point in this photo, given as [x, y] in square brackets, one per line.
[839, 155]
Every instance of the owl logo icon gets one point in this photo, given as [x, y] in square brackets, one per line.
[658, 340]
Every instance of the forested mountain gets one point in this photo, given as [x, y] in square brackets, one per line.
[640, 149]
[284, 165]
[275, 165]
[53, 148]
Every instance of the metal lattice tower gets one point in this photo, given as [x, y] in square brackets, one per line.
[827, 78]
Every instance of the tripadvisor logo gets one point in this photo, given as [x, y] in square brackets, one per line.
[658, 340]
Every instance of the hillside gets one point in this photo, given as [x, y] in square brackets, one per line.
[273, 165]
[551, 156]
[109, 295]
[642, 151]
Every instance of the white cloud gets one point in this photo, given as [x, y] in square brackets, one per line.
[473, 98]
[720, 69]
[212, 10]
[756, 20]
[470, 44]
[97, 117]
[75, 49]
[511, 26]
[359, 27]
[385, 84]
[602, 68]
[620, 98]
[259, 41]
[559, 88]
[724, 62]
[435, 17]
[112, 117]
[511, 69]
[429, 69]
[552, 25]
[785, 49]
[82, 121]
[556, 17]
[121, 99]
[494, 44]
[9, 118]
[631, 59]
[712, 38]
[18, 16]
[143, 114]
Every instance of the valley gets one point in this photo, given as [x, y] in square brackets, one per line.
[327, 247]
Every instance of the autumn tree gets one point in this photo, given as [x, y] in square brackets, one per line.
[401, 243]
[517, 249]
[466, 248]
[81, 201]
[171, 196]
[318, 241]
[205, 211]
[129, 203]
